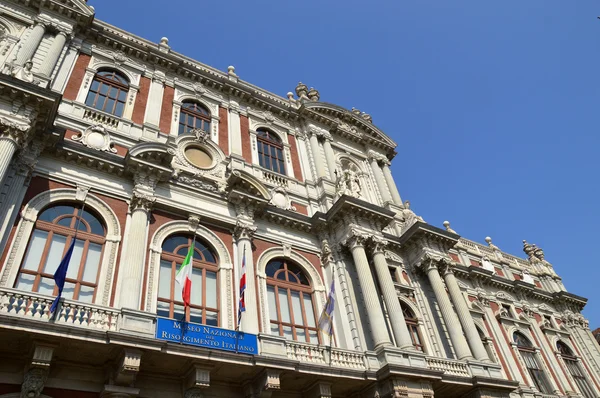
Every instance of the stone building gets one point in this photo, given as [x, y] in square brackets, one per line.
[134, 153]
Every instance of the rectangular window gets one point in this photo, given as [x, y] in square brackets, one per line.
[393, 274]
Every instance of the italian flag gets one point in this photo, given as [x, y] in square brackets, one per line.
[184, 276]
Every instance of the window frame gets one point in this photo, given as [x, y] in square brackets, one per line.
[572, 365]
[533, 364]
[275, 151]
[111, 83]
[289, 287]
[199, 262]
[205, 119]
[412, 324]
[54, 228]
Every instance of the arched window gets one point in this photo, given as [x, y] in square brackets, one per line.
[291, 307]
[412, 324]
[531, 363]
[487, 343]
[108, 92]
[193, 116]
[575, 370]
[270, 151]
[51, 238]
[204, 302]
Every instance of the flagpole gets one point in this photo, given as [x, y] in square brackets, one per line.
[73, 242]
[331, 327]
[185, 306]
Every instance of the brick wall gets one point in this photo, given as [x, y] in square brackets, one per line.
[295, 157]
[246, 145]
[167, 110]
[76, 79]
[141, 100]
[224, 130]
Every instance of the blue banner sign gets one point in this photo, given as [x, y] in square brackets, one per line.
[206, 336]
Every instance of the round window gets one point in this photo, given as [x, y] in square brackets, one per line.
[198, 157]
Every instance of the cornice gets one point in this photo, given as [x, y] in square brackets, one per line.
[347, 206]
[421, 229]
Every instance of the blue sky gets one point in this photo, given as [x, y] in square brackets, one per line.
[493, 105]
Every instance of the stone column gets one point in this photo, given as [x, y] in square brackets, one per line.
[12, 136]
[54, 52]
[356, 243]
[379, 178]
[390, 297]
[452, 325]
[132, 263]
[30, 45]
[316, 152]
[243, 232]
[329, 155]
[390, 183]
[464, 316]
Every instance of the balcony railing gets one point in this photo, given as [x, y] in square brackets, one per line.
[69, 312]
[274, 178]
[101, 118]
[323, 355]
[448, 366]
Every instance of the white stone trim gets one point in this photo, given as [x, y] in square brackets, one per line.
[225, 267]
[312, 274]
[26, 225]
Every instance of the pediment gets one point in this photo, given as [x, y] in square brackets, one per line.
[244, 182]
[348, 124]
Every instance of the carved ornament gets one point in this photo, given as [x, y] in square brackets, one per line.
[96, 137]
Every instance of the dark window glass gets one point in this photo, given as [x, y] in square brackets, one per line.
[412, 323]
[53, 234]
[291, 307]
[531, 363]
[575, 370]
[108, 92]
[204, 303]
[270, 151]
[193, 116]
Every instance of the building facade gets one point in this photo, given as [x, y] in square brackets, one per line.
[130, 154]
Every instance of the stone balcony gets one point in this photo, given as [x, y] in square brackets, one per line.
[30, 312]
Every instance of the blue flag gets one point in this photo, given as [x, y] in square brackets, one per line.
[61, 274]
[326, 319]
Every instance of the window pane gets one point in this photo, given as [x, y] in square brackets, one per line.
[95, 85]
[119, 110]
[46, 286]
[212, 318]
[86, 294]
[110, 105]
[122, 96]
[196, 295]
[171, 244]
[162, 309]
[35, 250]
[195, 315]
[89, 101]
[308, 308]
[297, 308]
[179, 312]
[25, 282]
[314, 338]
[95, 224]
[284, 306]
[92, 262]
[68, 290]
[100, 103]
[75, 262]
[114, 92]
[287, 333]
[275, 330]
[66, 222]
[300, 334]
[104, 89]
[211, 289]
[55, 253]
[207, 127]
[272, 304]
[164, 280]
[267, 163]
[51, 213]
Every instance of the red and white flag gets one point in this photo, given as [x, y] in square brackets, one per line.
[184, 276]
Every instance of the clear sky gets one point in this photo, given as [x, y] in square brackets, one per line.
[493, 104]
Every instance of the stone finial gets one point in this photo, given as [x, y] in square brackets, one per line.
[302, 90]
[490, 244]
[231, 70]
[163, 45]
[313, 94]
[528, 248]
[447, 225]
[290, 96]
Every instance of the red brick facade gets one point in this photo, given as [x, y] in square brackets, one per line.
[224, 130]
[76, 79]
[166, 111]
[295, 157]
[141, 100]
[246, 145]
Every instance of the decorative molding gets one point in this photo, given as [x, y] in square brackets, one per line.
[96, 137]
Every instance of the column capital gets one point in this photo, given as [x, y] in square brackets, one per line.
[143, 201]
[378, 244]
[355, 239]
[378, 157]
[244, 229]
[16, 132]
[326, 253]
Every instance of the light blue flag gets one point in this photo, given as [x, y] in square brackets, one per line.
[326, 319]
